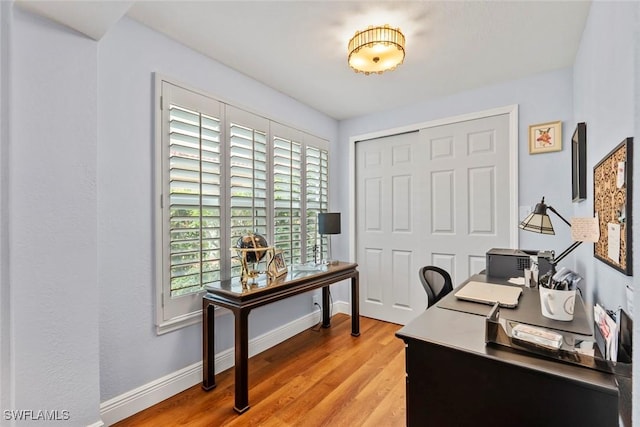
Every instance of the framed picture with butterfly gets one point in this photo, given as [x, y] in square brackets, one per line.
[545, 137]
[276, 265]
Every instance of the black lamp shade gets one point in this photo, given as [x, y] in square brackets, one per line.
[329, 223]
[538, 221]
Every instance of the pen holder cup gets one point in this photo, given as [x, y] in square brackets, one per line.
[557, 304]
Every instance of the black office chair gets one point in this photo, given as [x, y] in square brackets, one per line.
[436, 282]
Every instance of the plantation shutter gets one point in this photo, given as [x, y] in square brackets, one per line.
[287, 192]
[191, 199]
[317, 185]
[223, 173]
[247, 177]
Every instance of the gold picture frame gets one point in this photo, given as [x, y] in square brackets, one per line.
[277, 265]
[545, 137]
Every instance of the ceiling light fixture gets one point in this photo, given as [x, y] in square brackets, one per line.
[376, 50]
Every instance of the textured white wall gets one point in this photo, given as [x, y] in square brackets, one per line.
[541, 98]
[52, 217]
[5, 289]
[604, 82]
[606, 88]
[81, 192]
[131, 354]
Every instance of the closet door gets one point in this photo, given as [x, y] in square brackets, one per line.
[437, 196]
[467, 194]
[390, 227]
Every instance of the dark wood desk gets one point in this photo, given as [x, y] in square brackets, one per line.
[241, 300]
[454, 378]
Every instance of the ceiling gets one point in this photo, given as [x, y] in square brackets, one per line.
[300, 47]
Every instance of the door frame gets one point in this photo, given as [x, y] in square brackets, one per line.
[511, 110]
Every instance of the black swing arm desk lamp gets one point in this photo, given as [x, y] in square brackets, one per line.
[538, 221]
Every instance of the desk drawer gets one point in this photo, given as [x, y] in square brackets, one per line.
[446, 386]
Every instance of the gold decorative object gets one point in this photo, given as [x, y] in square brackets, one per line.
[251, 249]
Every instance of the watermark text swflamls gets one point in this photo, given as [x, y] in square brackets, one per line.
[36, 415]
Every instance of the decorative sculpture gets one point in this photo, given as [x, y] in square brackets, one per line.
[251, 248]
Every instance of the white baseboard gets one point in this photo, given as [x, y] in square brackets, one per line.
[147, 395]
[343, 307]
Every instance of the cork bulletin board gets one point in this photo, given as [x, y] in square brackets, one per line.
[612, 181]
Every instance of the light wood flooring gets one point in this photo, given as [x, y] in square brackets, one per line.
[320, 377]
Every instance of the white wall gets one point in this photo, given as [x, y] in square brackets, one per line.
[52, 147]
[131, 354]
[601, 89]
[541, 98]
[5, 290]
[604, 82]
[606, 89]
[78, 179]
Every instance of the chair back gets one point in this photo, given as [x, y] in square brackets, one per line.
[436, 282]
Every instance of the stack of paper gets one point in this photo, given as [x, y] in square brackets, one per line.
[539, 336]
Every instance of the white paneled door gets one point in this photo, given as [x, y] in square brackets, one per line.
[437, 196]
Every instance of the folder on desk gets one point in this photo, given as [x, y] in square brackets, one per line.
[625, 346]
[490, 293]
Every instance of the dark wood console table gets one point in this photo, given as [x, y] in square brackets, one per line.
[241, 300]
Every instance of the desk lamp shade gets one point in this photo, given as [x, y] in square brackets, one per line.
[538, 221]
[329, 223]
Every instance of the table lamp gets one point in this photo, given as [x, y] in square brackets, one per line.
[328, 223]
[538, 221]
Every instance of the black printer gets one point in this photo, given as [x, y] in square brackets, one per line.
[506, 263]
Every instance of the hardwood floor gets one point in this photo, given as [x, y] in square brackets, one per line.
[320, 377]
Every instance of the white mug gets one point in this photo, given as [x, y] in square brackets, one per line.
[557, 304]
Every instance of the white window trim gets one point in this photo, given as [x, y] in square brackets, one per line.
[166, 324]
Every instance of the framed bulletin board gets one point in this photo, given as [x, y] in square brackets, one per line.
[612, 182]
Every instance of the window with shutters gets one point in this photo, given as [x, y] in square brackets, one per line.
[194, 199]
[247, 177]
[222, 173]
[316, 186]
[287, 203]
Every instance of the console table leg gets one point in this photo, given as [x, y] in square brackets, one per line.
[208, 350]
[326, 319]
[242, 360]
[355, 305]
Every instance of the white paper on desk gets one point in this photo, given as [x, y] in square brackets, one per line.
[517, 280]
[585, 229]
[613, 243]
[613, 342]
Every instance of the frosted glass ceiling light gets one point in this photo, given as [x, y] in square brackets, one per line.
[376, 50]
